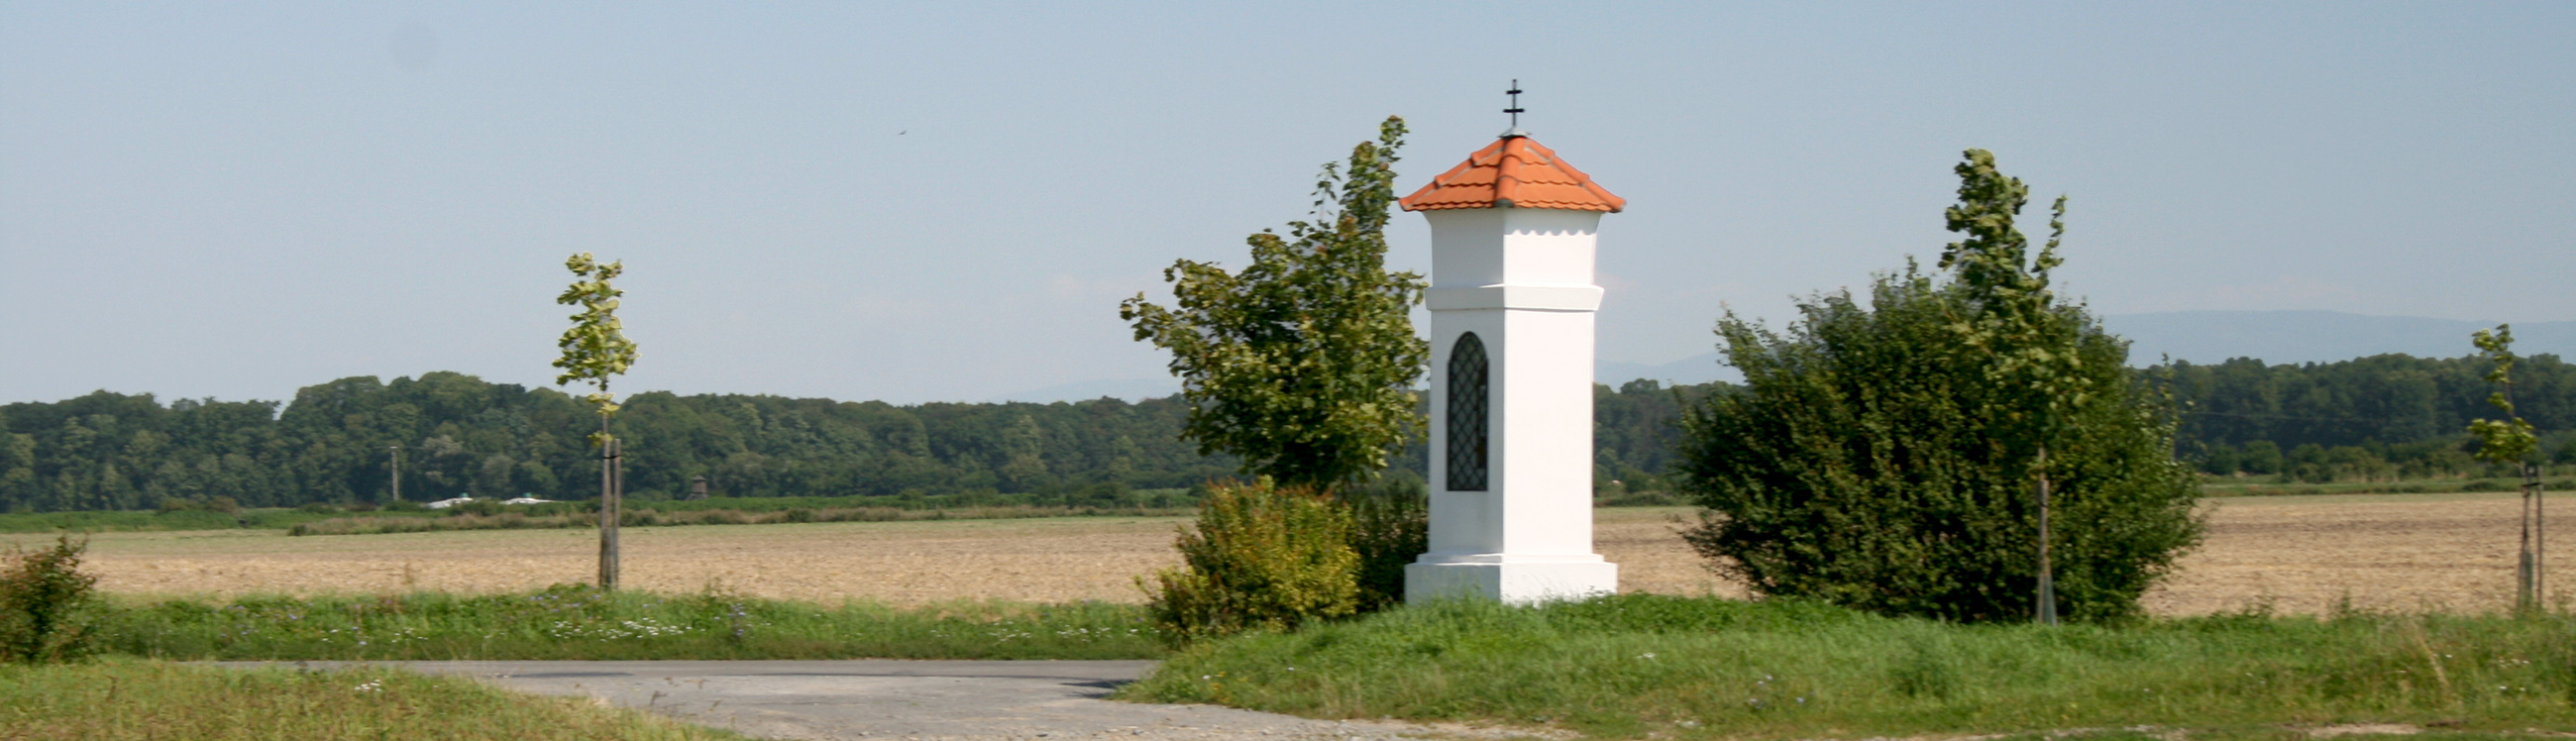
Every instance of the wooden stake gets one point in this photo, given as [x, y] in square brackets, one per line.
[608, 512]
[2047, 581]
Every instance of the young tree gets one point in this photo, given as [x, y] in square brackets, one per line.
[2010, 316]
[1303, 365]
[1882, 456]
[2510, 440]
[595, 350]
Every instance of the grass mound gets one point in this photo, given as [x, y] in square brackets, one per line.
[1663, 666]
[579, 622]
[127, 699]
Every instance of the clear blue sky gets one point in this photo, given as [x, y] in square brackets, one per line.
[945, 201]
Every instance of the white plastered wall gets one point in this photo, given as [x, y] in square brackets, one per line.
[1521, 280]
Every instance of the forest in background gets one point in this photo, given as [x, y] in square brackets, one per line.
[2378, 418]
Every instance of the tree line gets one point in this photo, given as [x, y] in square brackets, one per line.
[2377, 418]
[461, 436]
[2390, 416]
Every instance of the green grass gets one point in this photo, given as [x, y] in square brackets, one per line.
[1642, 665]
[338, 520]
[2225, 487]
[155, 521]
[576, 622]
[115, 700]
[650, 517]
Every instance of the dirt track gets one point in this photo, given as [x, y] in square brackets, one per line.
[2299, 554]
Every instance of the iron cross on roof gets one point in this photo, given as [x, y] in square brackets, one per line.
[1515, 110]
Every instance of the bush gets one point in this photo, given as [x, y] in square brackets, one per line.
[42, 597]
[1263, 557]
[1878, 461]
[1390, 526]
[1858, 468]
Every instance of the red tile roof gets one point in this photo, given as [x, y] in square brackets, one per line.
[1513, 172]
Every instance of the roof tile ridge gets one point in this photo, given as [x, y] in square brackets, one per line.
[1507, 170]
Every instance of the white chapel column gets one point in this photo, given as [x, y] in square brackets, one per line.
[1512, 304]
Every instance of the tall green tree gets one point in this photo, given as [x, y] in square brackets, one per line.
[2510, 441]
[595, 350]
[1882, 454]
[1304, 363]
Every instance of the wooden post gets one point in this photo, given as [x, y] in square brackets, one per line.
[397, 471]
[608, 513]
[2532, 585]
[2047, 580]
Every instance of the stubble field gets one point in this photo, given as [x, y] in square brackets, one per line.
[2295, 554]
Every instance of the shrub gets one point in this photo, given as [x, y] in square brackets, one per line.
[1878, 460]
[42, 597]
[1390, 526]
[1263, 557]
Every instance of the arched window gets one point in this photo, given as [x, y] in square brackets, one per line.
[1469, 420]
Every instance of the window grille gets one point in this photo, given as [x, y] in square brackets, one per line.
[1469, 429]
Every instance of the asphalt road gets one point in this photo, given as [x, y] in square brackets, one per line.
[888, 699]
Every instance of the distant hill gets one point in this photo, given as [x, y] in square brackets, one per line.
[2280, 337]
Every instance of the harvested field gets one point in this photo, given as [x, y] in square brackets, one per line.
[2402, 552]
[2296, 554]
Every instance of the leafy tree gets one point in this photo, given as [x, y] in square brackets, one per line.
[2028, 340]
[1303, 364]
[2511, 441]
[596, 350]
[1882, 456]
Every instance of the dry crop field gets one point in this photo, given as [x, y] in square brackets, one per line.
[2297, 554]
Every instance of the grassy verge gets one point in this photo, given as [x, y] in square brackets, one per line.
[1662, 666]
[327, 519]
[155, 521]
[126, 699]
[373, 525]
[2217, 487]
[574, 622]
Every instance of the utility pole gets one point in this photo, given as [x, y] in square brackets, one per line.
[397, 449]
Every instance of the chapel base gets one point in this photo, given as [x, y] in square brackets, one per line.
[1516, 583]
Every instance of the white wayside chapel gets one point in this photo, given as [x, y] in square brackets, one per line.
[1512, 305]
